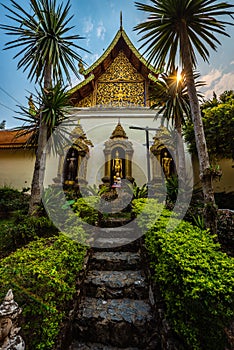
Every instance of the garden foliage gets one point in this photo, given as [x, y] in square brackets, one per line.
[218, 121]
[12, 200]
[23, 229]
[195, 278]
[43, 277]
[87, 209]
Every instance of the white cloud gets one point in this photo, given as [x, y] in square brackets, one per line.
[219, 85]
[101, 30]
[232, 62]
[211, 77]
[88, 25]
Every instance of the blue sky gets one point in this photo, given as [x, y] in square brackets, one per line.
[98, 21]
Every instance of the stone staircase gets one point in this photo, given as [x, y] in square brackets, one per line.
[115, 312]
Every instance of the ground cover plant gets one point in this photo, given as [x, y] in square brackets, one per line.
[41, 265]
[12, 200]
[21, 229]
[195, 277]
[87, 209]
[43, 277]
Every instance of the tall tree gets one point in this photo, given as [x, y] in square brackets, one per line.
[178, 30]
[48, 52]
[218, 121]
[3, 124]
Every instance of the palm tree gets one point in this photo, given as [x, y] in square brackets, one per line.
[55, 102]
[170, 95]
[47, 51]
[178, 30]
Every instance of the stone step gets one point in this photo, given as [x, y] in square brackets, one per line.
[116, 244]
[116, 322]
[115, 261]
[116, 284]
[125, 231]
[114, 222]
[95, 346]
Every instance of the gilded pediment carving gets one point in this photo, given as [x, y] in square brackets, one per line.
[85, 102]
[121, 70]
[121, 84]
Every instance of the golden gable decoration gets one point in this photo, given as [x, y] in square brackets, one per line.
[121, 70]
[86, 102]
[121, 77]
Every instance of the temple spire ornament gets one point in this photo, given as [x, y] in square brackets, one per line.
[121, 21]
[118, 132]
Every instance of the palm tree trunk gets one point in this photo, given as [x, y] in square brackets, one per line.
[40, 162]
[210, 212]
[180, 159]
[39, 171]
[180, 150]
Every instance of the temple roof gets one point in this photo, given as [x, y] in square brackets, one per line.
[10, 139]
[121, 42]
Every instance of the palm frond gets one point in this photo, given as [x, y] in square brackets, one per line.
[50, 105]
[43, 35]
[162, 31]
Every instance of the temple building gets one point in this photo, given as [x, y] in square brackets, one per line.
[112, 99]
[114, 133]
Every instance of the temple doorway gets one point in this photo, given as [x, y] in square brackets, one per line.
[118, 153]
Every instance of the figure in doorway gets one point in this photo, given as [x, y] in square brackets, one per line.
[166, 165]
[72, 168]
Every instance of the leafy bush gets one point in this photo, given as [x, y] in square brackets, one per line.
[137, 191]
[43, 278]
[11, 200]
[22, 230]
[87, 209]
[218, 121]
[148, 211]
[195, 278]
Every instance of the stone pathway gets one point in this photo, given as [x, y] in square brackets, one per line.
[115, 312]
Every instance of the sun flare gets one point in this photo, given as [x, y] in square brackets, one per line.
[179, 76]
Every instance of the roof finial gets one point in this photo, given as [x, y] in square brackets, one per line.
[121, 21]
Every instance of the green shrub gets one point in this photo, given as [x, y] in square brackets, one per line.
[196, 280]
[43, 278]
[22, 230]
[87, 209]
[12, 200]
[148, 211]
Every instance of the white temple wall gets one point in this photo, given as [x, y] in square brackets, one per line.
[16, 166]
[98, 129]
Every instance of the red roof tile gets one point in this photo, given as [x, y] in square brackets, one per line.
[10, 139]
